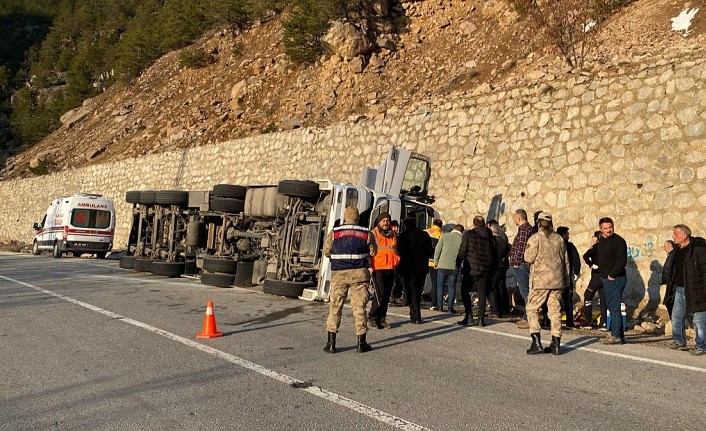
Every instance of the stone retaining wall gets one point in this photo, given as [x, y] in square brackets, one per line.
[629, 144]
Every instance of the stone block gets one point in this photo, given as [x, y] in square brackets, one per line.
[695, 130]
[670, 133]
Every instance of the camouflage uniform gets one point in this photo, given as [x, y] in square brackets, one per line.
[355, 281]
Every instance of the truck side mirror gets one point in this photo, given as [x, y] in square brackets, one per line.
[35, 226]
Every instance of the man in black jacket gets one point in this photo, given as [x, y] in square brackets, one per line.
[414, 249]
[611, 254]
[574, 274]
[669, 249]
[479, 256]
[687, 285]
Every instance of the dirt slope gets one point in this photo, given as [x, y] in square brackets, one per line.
[446, 50]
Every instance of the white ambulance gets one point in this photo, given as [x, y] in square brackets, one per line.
[83, 223]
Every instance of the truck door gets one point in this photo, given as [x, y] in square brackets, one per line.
[403, 172]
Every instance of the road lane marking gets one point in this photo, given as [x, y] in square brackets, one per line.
[573, 347]
[317, 391]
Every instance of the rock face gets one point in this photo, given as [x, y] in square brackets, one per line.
[346, 40]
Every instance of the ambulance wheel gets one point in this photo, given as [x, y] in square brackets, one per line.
[127, 262]
[35, 249]
[299, 188]
[172, 197]
[225, 266]
[290, 289]
[57, 253]
[100, 255]
[217, 280]
[168, 269]
[229, 191]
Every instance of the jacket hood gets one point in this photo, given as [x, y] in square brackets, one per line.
[483, 232]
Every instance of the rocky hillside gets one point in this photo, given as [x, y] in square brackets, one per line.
[433, 52]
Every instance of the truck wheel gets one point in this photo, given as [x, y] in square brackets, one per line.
[243, 276]
[167, 269]
[57, 251]
[133, 197]
[143, 264]
[192, 233]
[290, 289]
[228, 205]
[217, 280]
[299, 188]
[127, 262]
[229, 191]
[172, 197]
[148, 197]
[35, 249]
[225, 266]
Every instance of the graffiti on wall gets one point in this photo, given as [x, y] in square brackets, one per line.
[643, 251]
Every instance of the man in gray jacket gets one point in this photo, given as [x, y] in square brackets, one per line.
[445, 261]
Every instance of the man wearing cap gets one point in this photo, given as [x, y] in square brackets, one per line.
[349, 247]
[574, 272]
[549, 276]
[383, 265]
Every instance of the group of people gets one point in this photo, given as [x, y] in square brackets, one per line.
[545, 265]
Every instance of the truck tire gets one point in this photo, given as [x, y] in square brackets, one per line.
[192, 233]
[225, 266]
[217, 280]
[243, 276]
[127, 262]
[143, 264]
[172, 197]
[56, 252]
[133, 197]
[190, 267]
[167, 269]
[228, 205]
[299, 188]
[229, 191]
[148, 197]
[35, 249]
[290, 289]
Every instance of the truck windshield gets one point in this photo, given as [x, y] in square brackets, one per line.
[95, 219]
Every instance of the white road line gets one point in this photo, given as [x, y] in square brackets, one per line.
[574, 347]
[332, 397]
[140, 280]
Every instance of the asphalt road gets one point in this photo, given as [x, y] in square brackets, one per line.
[86, 345]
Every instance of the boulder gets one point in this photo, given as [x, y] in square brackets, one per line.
[74, 116]
[41, 157]
[346, 40]
[381, 7]
[385, 41]
[357, 65]
[237, 94]
[467, 28]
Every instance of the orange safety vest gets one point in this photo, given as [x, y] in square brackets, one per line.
[386, 257]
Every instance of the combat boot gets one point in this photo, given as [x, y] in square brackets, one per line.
[331, 344]
[554, 345]
[363, 346]
[536, 346]
[468, 320]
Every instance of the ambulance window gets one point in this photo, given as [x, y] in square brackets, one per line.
[90, 218]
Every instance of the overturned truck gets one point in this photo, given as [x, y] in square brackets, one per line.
[269, 235]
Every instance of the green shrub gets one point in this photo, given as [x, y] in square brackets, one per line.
[195, 58]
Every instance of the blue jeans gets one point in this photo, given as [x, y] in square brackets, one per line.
[700, 325]
[614, 296]
[678, 315]
[446, 276]
[522, 274]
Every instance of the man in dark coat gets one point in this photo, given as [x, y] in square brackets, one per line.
[669, 249]
[574, 273]
[479, 256]
[414, 249]
[687, 285]
[500, 303]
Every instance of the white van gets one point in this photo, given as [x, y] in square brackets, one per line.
[83, 223]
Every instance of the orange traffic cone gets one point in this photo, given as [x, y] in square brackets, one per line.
[209, 324]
